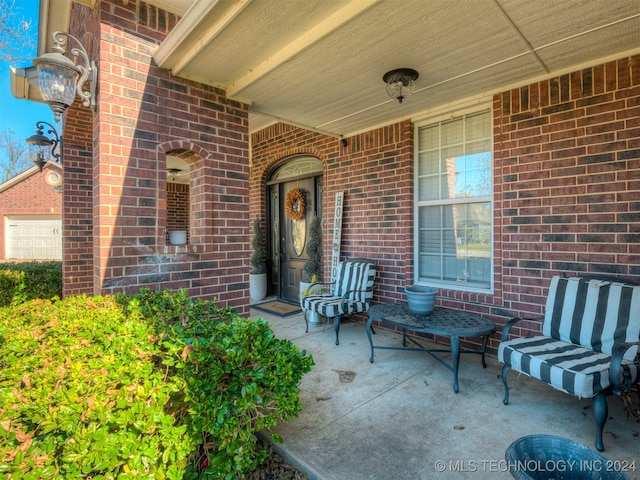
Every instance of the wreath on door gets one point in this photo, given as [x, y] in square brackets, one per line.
[294, 204]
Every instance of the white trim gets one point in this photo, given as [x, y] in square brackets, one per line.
[24, 175]
[180, 47]
[307, 39]
[18, 178]
[451, 110]
[173, 44]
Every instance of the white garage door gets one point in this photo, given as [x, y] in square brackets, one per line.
[33, 238]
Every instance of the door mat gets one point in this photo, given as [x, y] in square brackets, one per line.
[276, 307]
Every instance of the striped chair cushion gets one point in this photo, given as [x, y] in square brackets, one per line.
[330, 306]
[594, 314]
[570, 368]
[355, 279]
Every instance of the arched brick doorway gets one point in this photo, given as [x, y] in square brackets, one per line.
[287, 238]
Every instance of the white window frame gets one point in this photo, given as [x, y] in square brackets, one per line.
[462, 286]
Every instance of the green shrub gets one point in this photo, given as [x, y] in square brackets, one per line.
[149, 386]
[12, 286]
[38, 280]
[238, 379]
[81, 396]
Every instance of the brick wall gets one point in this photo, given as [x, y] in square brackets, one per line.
[177, 206]
[566, 189]
[78, 192]
[567, 175]
[375, 172]
[144, 114]
[30, 196]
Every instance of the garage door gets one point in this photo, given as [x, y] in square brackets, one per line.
[34, 238]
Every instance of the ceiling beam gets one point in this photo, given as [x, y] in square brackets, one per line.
[516, 29]
[304, 41]
[178, 49]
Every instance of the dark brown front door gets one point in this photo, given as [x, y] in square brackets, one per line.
[289, 237]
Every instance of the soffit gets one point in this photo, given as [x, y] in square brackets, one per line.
[319, 64]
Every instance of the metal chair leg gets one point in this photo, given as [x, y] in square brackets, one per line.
[505, 370]
[600, 410]
[336, 326]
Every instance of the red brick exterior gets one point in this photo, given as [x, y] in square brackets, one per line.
[566, 189]
[375, 171]
[566, 179]
[31, 195]
[143, 115]
[177, 207]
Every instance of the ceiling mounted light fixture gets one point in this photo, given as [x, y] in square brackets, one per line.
[173, 172]
[59, 76]
[400, 83]
[39, 146]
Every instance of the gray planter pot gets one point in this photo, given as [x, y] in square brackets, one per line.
[257, 286]
[421, 299]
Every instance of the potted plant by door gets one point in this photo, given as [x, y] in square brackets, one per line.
[313, 266]
[258, 274]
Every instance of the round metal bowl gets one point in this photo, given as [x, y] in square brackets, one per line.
[545, 457]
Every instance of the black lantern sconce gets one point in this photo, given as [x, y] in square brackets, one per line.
[60, 78]
[42, 149]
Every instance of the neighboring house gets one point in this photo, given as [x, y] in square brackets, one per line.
[518, 156]
[31, 215]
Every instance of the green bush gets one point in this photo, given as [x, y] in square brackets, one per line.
[12, 286]
[36, 280]
[153, 385]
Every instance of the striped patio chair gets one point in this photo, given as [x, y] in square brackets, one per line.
[351, 293]
[589, 342]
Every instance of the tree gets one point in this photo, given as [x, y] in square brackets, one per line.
[16, 152]
[16, 36]
[16, 42]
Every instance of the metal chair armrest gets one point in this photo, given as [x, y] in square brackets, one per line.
[509, 324]
[618, 384]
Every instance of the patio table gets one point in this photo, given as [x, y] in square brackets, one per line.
[443, 321]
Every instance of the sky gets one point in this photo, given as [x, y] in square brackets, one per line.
[20, 116]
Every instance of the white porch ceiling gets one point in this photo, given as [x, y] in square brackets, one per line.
[319, 63]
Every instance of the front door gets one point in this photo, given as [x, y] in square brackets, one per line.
[288, 237]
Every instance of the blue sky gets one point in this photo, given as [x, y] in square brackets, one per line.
[20, 116]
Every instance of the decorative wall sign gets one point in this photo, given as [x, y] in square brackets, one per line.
[337, 233]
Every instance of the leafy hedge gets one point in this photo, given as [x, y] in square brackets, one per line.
[24, 281]
[153, 385]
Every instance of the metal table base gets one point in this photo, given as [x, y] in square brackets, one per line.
[441, 321]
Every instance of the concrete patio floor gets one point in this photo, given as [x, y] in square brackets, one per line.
[398, 418]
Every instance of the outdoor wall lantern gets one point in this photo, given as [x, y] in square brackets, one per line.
[59, 76]
[400, 83]
[42, 149]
